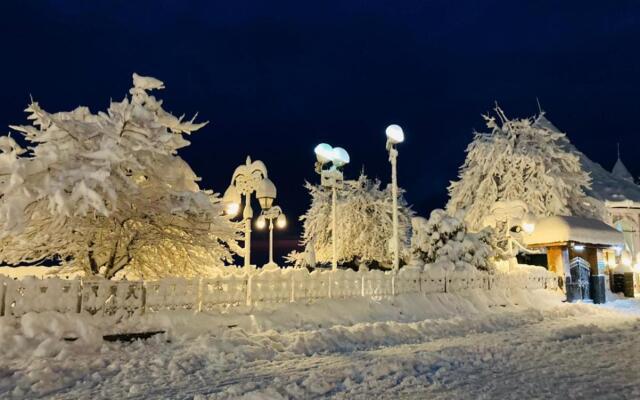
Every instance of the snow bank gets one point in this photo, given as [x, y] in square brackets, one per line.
[48, 334]
[415, 345]
[210, 349]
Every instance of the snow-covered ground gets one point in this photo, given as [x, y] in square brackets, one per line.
[474, 345]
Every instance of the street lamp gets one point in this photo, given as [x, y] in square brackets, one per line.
[395, 135]
[332, 178]
[271, 214]
[248, 178]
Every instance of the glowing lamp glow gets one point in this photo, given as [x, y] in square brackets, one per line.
[395, 134]
[528, 227]
[529, 223]
[231, 200]
[625, 258]
[324, 153]
[340, 157]
[261, 222]
[578, 247]
[232, 209]
[281, 221]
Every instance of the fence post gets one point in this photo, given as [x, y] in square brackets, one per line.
[446, 278]
[79, 300]
[293, 287]
[199, 308]
[143, 297]
[249, 279]
[362, 279]
[330, 282]
[3, 299]
[393, 283]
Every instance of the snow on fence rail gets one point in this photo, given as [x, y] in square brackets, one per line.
[239, 288]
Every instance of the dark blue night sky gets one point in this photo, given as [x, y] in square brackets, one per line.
[275, 78]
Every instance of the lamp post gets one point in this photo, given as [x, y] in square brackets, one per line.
[332, 178]
[247, 179]
[271, 214]
[395, 135]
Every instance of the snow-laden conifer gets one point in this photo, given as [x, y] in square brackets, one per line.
[444, 239]
[364, 224]
[518, 160]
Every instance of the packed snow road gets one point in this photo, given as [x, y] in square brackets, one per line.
[448, 347]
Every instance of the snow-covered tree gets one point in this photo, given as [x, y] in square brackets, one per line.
[364, 224]
[444, 239]
[519, 160]
[107, 192]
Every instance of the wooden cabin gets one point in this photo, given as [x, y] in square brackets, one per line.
[580, 251]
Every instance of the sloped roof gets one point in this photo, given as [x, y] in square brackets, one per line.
[562, 229]
[620, 170]
[605, 186]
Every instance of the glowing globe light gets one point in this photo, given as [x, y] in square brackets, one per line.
[395, 134]
[324, 153]
[261, 222]
[528, 227]
[625, 258]
[529, 223]
[232, 209]
[281, 221]
[340, 157]
[231, 201]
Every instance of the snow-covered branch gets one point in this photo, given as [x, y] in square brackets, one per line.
[519, 160]
[364, 224]
[107, 192]
[444, 239]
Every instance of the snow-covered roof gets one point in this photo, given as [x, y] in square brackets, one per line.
[562, 229]
[622, 204]
[621, 171]
[605, 185]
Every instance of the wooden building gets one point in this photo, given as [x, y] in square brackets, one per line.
[579, 250]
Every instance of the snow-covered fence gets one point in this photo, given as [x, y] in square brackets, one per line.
[172, 294]
[29, 294]
[110, 297]
[238, 288]
[228, 291]
[269, 287]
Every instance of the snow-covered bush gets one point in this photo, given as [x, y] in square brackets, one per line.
[106, 192]
[519, 160]
[364, 224]
[444, 239]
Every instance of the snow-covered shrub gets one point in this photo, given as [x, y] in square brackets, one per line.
[519, 160]
[444, 239]
[364, 224]
[106, 192]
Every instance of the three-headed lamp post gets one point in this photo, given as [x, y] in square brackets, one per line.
[395, 135]
[247, 179]
[332, 177]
